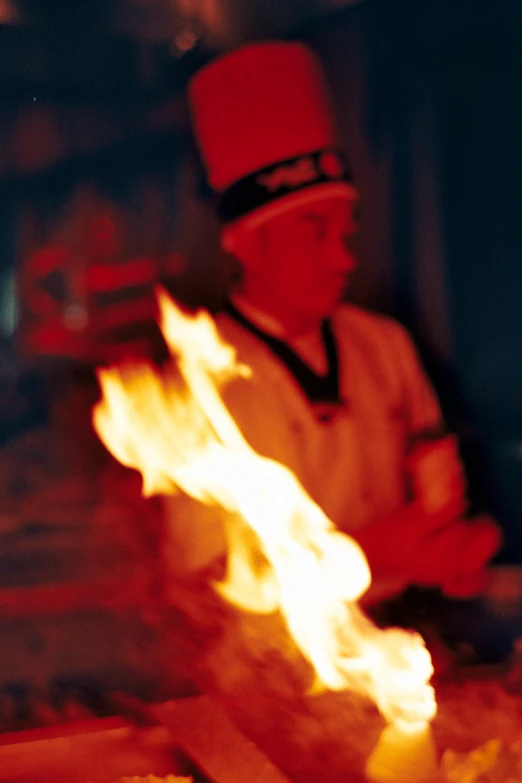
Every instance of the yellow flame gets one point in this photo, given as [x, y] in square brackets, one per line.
[173, 426]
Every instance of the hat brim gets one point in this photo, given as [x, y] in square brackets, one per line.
[286, 203]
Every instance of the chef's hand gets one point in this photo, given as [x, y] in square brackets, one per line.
[455, 558]
[392, 542]
[419, 548]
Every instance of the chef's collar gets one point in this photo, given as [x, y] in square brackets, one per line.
[267, 323]
[309, 345]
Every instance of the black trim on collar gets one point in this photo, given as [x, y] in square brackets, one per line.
[282, 179]
[319, 389]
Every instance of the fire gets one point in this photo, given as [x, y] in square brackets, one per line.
[284, 554]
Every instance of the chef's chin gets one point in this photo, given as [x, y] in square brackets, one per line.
[330, 301]
[324, 309]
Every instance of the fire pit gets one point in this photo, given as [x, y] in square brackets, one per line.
[106, 750]
[249, 664]
[283, 738]
[193, 737]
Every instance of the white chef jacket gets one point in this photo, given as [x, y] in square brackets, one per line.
[354, 465]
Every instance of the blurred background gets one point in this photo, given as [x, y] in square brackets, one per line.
[102, 195]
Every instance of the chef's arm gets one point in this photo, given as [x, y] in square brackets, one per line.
[427, 541]
[433, 467]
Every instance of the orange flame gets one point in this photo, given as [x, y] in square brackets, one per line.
[173, 426]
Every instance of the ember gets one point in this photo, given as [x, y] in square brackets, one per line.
[173, 426]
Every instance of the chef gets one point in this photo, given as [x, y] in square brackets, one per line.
[337, 393]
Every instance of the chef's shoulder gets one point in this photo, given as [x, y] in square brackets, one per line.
[379, 329]
[387, 351]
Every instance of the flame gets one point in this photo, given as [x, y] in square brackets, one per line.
[283, 552]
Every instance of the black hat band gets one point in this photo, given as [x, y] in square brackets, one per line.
[282, 179]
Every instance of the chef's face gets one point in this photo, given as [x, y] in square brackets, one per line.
[305, 257]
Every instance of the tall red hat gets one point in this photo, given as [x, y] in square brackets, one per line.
[263, 119]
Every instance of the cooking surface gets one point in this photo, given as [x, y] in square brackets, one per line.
[472, 711]
[101, 752]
